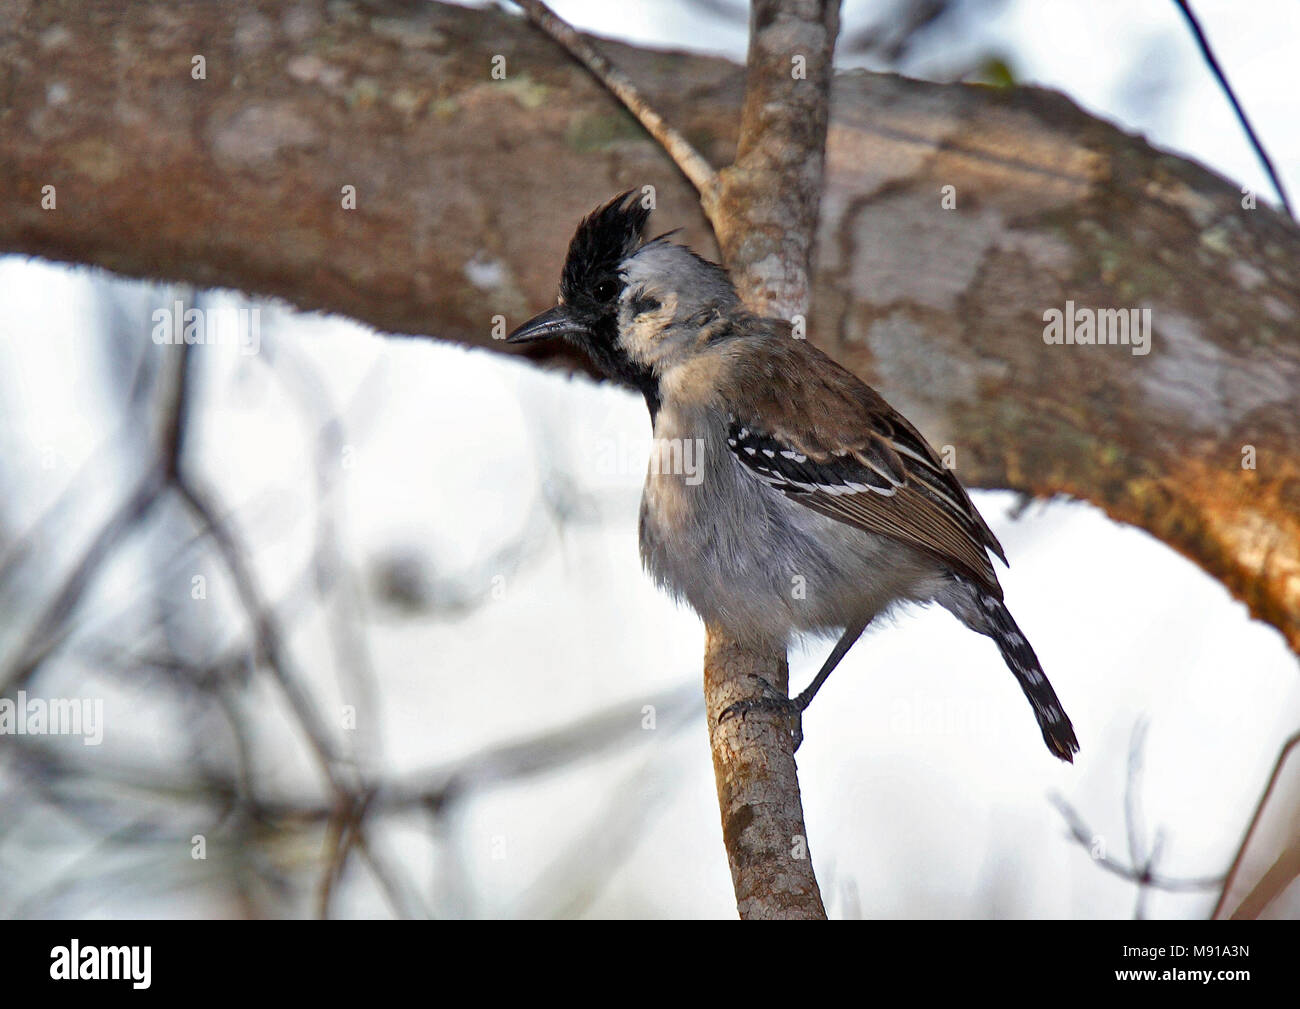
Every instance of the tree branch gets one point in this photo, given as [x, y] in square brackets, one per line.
[758, 788]
[1231, 878]
[1212, 62]
[1142, 874]
[766, 220]
[765, 217]
[940, 309]
[689, 160]
[770, 201]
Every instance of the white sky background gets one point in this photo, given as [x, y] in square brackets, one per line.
[925, 778]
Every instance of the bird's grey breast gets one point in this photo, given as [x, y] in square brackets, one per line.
[715, 536]
[744, 555]
[695, 530]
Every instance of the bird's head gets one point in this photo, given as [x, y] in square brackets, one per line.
[633, 306]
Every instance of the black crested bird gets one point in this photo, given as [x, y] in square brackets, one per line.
[807, 477]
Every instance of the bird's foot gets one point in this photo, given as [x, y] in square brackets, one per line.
[771, 701]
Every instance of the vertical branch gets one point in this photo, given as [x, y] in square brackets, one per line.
[764, 209]
[770, 197]
[758, 788]
[766, 221]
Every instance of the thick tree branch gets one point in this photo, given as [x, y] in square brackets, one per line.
[941, 309]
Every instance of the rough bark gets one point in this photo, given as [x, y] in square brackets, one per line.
[768, 204]
[758, 789]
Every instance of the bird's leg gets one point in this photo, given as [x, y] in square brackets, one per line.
[794, 708]
[847, 640]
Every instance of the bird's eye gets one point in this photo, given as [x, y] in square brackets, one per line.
[606, 290]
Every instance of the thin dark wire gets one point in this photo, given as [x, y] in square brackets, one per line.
[1208, 53]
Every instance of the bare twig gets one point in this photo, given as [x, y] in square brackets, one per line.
[539, 754]
[342, 835]
[692, 164]
[1141, 868]
[429, 788]
[1137, 849]
[266, 631]
[47, 632]
[1208, 54]
[1133, 793]
[1238, 858]
[1143, 875]
[1284, 870]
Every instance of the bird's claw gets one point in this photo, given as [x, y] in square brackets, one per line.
[792, 713]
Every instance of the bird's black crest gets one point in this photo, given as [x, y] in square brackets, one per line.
[606, 236]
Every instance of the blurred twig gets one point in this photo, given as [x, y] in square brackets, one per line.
[1138, 852]
[1141, 868]
[434, 787]
[344, 779]
[1144, 875]
[219, 784]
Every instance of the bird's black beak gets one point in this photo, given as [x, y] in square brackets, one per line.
[557, 321]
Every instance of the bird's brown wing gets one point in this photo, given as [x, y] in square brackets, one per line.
[817, 433]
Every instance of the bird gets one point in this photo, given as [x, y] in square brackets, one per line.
[815, 507]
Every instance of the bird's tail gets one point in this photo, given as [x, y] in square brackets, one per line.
[988, 615]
